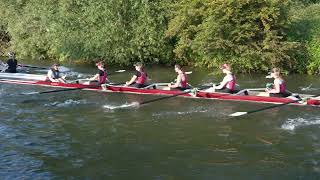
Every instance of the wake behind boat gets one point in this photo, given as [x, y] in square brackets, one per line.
[155, 89]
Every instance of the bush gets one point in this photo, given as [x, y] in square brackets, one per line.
[247, 34]
[305, 28]
[118, 31]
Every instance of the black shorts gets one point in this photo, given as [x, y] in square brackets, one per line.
[11, 71]
[137, 85]
[279, 94]
[226, 90]
[179, 89]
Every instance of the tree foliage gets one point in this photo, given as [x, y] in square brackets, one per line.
[305, 28]
[252, 35]
[118, 31]
[249, 34]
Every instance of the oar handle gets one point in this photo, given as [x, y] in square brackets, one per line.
[175, 95]
[165, 97]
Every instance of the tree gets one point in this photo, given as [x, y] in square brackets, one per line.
[248, 34]
[119, 31]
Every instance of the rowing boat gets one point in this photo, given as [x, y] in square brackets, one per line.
[154, 89]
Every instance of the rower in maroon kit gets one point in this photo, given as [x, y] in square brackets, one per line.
[139, 79]
[228, 83]
[181, 81]
[278, 88]
[101, 76]
[54, 74]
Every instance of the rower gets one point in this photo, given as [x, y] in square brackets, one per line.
[278, 88]
[228, 83]
[101, 76]
[54, 74]
[140, 77]
[181, 81]
[12, 63]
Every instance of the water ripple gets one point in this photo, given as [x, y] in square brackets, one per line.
[66, 103]
[180, 113]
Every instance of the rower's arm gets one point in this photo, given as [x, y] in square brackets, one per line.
[276, 87]
[62, 80]
[133, 79]
[95, 77]
[222, 84]
[50, 77]
[178, 82]
[107, 80]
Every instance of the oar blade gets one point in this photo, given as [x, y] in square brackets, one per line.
[236, 114]
[123, 106]
[121, 70]
[29, 93]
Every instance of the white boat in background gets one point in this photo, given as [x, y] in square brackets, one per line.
[35, 77]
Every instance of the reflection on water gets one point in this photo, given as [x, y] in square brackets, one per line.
[92, 135]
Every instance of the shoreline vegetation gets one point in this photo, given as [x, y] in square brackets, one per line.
[252, 35]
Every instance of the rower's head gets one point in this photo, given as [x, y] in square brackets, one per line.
[275, 72]
[55, 66]
[11, 54]
[177, 68]
[100, 64]
[139, 66]
[225, 68]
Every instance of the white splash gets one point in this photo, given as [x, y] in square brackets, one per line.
[122, 106]
[309, 88]
[292, 124]
[67, 103]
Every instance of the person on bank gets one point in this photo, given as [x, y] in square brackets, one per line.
[54, 74]
[228, 84]
[278, 88]
[12, 63]
[181, 83]
[101, 76]
[139, 79]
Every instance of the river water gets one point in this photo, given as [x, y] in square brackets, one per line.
[92, 135]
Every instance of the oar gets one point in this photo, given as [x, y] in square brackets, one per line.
[61, 90]
[188, 72]
[245, 91]
[269, 107]
[115, 72]
[168, 97]
[69, 89]
[88, 79]
[35, 67]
